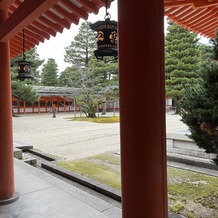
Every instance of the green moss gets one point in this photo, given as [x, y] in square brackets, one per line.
[95, 171]
[184, 187]
[190, 215]
[108, 157]
[190, 185]
[176, 208]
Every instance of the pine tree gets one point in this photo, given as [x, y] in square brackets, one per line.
[50, 73]
[69, 77]
[200, 105]
[81, 49]
[182, 61]
[106, 71]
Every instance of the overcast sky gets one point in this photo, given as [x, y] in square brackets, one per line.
[55, 46]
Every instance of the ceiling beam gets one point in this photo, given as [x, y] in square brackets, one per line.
[5, 4]
[204, 4]
[194, 3]
[28, 11]
[177, 3]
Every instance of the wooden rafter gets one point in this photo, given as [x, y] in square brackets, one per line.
[177, 3]
[194, 3]
[5, 4]
[204, 3]
[25, 14]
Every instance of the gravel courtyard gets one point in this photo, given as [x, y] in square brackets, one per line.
[72, 140]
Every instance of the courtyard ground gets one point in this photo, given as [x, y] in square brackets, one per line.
[72, 140]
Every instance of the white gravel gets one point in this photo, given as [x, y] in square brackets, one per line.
[66, 139]
[72, 140]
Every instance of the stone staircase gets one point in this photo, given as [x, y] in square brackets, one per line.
[19, 153]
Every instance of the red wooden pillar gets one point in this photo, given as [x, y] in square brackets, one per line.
[18, 103]
[24, 107]
[142, 108]
[7, 193]
[64, 106]
[39, 107]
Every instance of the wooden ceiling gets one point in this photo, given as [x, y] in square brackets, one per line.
[199, 16]
[41, 19]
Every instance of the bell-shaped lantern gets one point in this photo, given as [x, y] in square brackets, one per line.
[106, 37]
[24, 69]
[23, 66]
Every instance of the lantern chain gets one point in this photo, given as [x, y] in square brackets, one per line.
[107, 15]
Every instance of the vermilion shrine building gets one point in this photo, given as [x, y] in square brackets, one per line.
[141, 78]
[62, 97]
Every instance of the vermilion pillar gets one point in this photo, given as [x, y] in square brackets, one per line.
[7, 193]
[142, 108]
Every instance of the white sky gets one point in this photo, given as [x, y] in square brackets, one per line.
[55, 46]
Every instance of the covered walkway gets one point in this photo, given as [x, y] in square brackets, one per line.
[141, 77]
[43, 196]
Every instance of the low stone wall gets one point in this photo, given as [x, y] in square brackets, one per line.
[178, 143]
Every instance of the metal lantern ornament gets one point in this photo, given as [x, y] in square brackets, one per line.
[23, 66]
[106, 37]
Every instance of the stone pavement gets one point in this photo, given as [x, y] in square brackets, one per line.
[44, 196]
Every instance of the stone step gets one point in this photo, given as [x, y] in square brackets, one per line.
[30, 161]
[18, 153]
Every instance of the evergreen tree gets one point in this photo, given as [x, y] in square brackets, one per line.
[81, 49]
[91, 76]
[50, 73]
[182, 61]
[106, 70]
[90, 92]
[24, 92]
[200, 105]
[69, 77]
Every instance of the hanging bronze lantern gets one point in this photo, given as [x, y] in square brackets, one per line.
[23, 66]
[24, 69]
[106, 37]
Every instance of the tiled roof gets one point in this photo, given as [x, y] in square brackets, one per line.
[57, 91]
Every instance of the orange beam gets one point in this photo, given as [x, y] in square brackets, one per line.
[194, 3]
[185, 11]
[38, 32]
[90, 6]
[28, 11]
[54, 26]
[5, 4]
[177, 3]
[203, 3]
[70, 16]
[76, 9]
[196, 17]
[44, 28]
[61, 21]
[35, 36]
